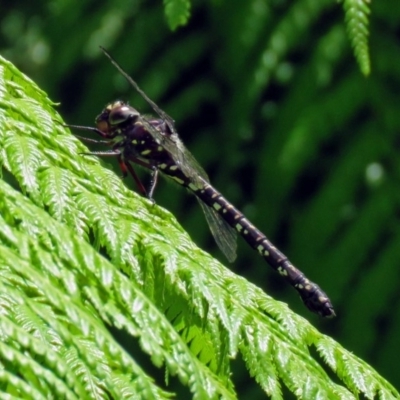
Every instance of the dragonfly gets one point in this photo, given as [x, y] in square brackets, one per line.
[153, 143]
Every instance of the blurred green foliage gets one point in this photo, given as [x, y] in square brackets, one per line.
[269, 98]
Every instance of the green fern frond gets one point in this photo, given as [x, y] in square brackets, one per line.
[286, 36]
[357, 26]
[188, 313]
[356, 372]
[177, 12]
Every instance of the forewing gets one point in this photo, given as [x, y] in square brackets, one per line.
[224, 235]
[179, 153]
[171, 142]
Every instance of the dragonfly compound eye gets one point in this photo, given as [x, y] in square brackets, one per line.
[122, 114]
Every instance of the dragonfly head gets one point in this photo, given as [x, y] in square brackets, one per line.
[114, 115]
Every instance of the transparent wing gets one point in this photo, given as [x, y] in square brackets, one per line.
[224, 235]
[171, 142]
[179, 153]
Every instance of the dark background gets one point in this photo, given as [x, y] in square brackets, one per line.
[270, 100]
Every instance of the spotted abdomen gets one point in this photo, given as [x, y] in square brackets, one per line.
[313, 297]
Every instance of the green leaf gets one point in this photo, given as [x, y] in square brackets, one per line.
[357, 12]
[87, 254]
[177, 12]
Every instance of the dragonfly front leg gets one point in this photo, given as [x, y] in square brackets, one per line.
[91, 129]
[90, 140]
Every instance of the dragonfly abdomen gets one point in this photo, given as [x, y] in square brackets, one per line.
[311, 294]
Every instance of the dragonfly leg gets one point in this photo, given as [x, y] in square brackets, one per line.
[125, 167]
[88, 128]
[89, 140]
[105, 153]
[153, 183]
